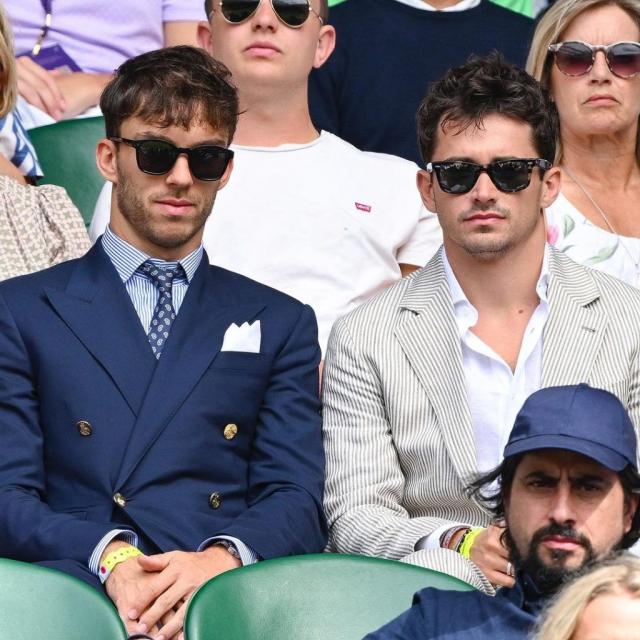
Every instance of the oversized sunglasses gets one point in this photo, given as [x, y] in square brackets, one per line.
[157, 157]
[577, 58]
[293, 13]
[459, 177]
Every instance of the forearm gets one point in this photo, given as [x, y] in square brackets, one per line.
[30, 531]
[81, 91]
[7, 168]
[381, 532]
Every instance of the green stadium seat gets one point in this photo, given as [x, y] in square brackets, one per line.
[67, 153]
[314, 597]
[43, 604]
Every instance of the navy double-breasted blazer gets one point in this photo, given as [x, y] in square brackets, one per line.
[97, 434]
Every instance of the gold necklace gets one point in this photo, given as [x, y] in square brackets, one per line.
[598, 208]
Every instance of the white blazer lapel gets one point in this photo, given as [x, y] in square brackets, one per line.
[430, 341]
[576, 327]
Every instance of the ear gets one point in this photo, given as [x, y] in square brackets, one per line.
[204, 36]
[426, 187]
[326, 45]
[226, 175]
[551, 182]
[106, 159]
[630, 508]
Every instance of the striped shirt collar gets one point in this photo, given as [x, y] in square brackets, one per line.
[127, 259]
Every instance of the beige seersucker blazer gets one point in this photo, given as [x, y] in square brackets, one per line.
[397, 428]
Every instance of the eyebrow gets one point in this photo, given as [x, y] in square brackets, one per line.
[496, 159]
[585, 477]
[154, 135]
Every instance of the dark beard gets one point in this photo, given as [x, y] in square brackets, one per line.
[549, 578]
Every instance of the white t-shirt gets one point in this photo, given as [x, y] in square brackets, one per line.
[323, 221]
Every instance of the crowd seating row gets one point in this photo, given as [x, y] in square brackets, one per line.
[313, 597]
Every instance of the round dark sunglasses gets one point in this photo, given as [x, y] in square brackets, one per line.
[577, 58]
[157, 157]
[293, 13]
[459, 177]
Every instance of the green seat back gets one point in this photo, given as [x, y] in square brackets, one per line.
[315, 597]
[43, 604]
[67, 153]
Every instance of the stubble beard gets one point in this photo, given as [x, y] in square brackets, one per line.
[136, 212]
[487, 249]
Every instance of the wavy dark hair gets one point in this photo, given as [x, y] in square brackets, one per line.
[172, 86]
[467, 94]
[489, 490]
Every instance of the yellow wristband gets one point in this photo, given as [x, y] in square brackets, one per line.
[115, 558]
[469, 539]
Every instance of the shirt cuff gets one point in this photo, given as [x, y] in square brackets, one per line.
[247, 554]
[126, 535]
[432, 541]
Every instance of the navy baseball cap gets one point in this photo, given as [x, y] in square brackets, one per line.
[577, 418]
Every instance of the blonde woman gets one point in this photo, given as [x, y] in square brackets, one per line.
[17, 157]
[603, 603]
[587, 53]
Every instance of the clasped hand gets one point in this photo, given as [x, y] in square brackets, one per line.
[151, 592]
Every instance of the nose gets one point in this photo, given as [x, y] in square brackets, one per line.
[561, 508]
[180, 174]
[264, 16]
[484, 190]
[600, 71]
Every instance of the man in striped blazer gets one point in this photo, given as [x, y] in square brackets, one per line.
[422, 383]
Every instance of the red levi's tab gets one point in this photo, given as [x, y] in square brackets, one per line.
[363, 207]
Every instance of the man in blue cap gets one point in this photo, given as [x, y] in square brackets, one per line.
[566, 495]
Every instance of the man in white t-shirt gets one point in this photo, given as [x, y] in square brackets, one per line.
[305, 212]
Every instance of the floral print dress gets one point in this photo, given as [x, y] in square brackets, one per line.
[573, 234]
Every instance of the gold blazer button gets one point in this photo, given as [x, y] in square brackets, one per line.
[230, 431]
[215, 500]
[120, 500]
[84, 428]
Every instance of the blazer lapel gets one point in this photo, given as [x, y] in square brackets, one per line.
[97, 309]
[576, 327]
[429, 338]
[195, 340]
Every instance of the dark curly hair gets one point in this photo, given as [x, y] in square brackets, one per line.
[172, 86]
[481, 87]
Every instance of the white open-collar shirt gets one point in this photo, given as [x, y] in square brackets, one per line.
[495, 393]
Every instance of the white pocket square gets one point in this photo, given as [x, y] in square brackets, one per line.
[245, 337]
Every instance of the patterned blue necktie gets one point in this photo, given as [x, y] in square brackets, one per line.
[164, 314]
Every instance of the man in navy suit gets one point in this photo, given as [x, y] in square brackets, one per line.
[159, 417]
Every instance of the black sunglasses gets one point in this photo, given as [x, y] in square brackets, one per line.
[157, 157]
[293, 13]
[459, 177]
[577, 58]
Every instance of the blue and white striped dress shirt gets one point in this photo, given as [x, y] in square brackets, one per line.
[144, 296]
